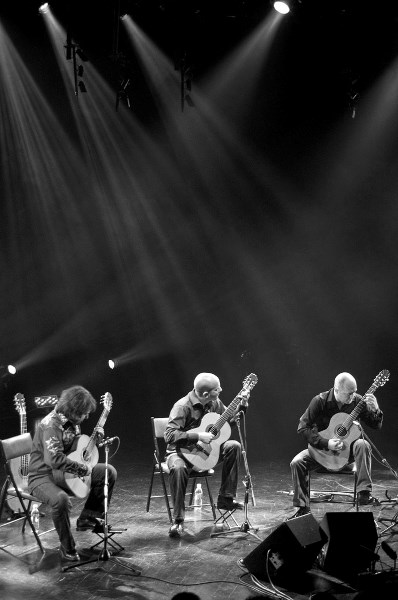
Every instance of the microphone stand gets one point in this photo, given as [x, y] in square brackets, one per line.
[246, 526]
[102, 530]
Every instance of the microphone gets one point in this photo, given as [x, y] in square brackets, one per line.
[108, 441]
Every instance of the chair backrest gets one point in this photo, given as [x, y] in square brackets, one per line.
[19, 445]
[159, 425]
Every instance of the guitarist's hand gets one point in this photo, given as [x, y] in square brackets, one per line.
[335, 445]
[99, 434]
[205, 437]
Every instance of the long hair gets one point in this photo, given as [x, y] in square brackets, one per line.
[75, 402]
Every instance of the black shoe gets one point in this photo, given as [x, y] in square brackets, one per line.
[366, 499]
[303, 510]
[176, 530]
[86, 523]
[70, 555]
[224, 503]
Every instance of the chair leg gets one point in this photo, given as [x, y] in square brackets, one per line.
[191, 497]
[3, 496]
[148, 502]
[25, 519]
[211, 499]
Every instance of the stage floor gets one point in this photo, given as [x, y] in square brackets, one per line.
[198, 563]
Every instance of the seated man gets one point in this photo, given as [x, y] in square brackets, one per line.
[342, 398]
[186, 415]
[49, 460]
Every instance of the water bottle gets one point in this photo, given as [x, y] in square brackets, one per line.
[35, 516]
[198, 498]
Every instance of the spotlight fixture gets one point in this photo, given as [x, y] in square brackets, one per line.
[282, 7]
[80, 70]
[82, 87]
[44, 8]
[11, 369]
[111, 364]
[124, 17]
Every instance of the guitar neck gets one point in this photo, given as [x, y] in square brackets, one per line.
[101, 423]
[228, 413]
[358, 409]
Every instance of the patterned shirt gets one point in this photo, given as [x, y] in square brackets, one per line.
[52, 442]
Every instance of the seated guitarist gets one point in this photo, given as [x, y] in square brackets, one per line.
[52, 442]
[185, 415]
[342, 398]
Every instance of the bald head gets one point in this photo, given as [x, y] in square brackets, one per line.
[207, 386]
[344, 387]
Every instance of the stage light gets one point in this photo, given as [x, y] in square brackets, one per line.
[80, 70]
[82, 87]
[11, 369]
[282, 7]
[111, 364]
[123, 17]
[44, 8]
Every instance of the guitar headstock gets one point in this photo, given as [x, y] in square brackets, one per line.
[250, 381]
[107, 401]
[382, 378]
[19, 401]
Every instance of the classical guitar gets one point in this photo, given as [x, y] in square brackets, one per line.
[205, 456]
[19, 465]
[343, 426]
[84, 451]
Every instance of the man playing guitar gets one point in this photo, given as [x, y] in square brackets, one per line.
[54, 440]
[331, 447]
[186, 415]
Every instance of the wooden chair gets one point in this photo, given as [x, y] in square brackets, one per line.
[159, 468]
[15, 447]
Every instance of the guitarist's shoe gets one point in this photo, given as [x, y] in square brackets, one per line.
[86, 523]
[366, 499]
[303, 510]
[72, 555]
[224, 503]
[176, 530]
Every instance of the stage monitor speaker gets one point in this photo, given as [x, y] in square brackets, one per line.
[350, 541]
[291, 549]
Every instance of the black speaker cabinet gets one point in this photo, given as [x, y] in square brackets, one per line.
[291, 549]
[351, 539]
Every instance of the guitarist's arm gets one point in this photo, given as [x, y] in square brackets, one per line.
[371, 414]
[315, 418]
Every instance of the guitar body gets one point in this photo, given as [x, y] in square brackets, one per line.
[336, 460]
[205, 456]
[79, 486]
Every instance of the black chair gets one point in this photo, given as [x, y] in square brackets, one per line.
[159, 468]
[15, 447]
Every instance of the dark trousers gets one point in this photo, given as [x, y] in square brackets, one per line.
[303, 463]
[60, 503]
[230, 454]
